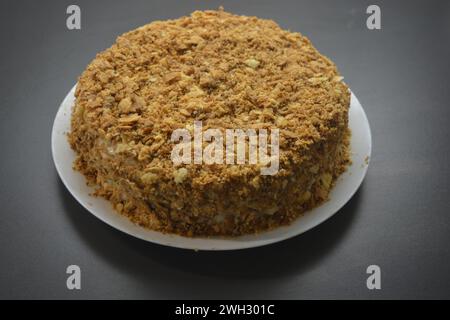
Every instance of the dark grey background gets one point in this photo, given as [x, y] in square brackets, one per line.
[399, 219]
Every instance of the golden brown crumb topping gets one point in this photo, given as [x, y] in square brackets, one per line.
[227, 71]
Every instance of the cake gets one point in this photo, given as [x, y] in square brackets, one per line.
[225, 71]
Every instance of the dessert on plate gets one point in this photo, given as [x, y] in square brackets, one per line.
[225, 71]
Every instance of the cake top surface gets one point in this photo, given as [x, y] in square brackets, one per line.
[225, 70]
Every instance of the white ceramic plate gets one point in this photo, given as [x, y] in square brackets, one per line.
[344, 189]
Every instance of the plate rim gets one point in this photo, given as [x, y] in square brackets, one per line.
[198, 243]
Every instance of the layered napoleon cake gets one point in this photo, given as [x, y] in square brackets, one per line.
[227, 72]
